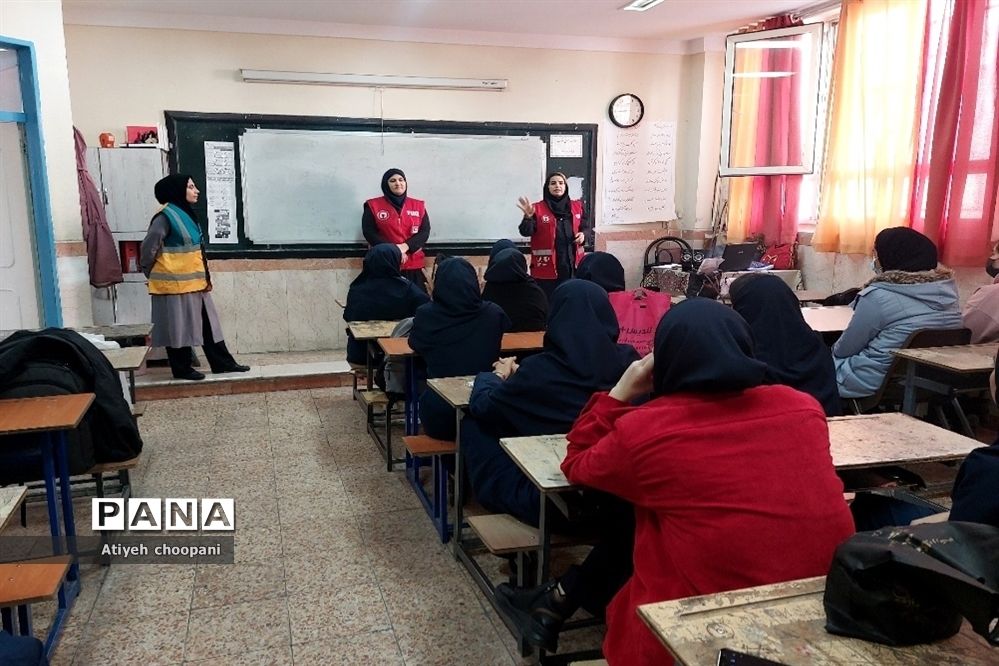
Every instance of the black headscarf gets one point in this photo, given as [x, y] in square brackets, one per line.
[795, 354]
[498, 246]
[581, 356]
[904, 249]
[397, 200]
[173, 189]
[704, 347]
[509, 286]
[380, 293]
[603, 269]
[558, 205]
[458, 333]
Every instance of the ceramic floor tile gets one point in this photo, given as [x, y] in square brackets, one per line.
[139, 593]
[378, 647]
[226, 584]
[331, 569]
[283, 447]
[305, 538]
[423, 560]
[275, 656]
[150, 639]
[449, 637]
[69, 640]
[413, 600]
[395, 526]
[316, 508]
[335, 613]
[225, 631]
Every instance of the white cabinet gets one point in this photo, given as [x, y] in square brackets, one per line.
[125, 178]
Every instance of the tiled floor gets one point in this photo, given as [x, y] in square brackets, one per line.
[336, 562]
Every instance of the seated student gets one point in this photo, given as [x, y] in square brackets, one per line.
[976, 499]
[541, 396]
[456, 334]
[981, 312]
[909, 292]
[380, 292]
[795, 355]
[732, 481]
[602, 268]
[509, 286]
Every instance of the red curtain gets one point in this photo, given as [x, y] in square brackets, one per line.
[774, 199]
[956, 176]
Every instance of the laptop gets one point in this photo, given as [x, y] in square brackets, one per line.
[738, 257]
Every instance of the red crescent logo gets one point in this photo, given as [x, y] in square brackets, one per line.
[382, 215]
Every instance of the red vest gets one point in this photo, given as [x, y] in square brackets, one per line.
[396, 226]
[543, 265]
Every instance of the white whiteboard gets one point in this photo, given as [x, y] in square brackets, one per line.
[309, 186]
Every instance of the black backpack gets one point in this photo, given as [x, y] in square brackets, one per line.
[42, 377]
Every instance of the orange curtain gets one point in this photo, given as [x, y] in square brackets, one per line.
[745, 103]
[872, 123]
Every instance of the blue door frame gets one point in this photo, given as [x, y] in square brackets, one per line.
[41, 208]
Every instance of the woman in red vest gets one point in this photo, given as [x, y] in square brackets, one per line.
[401, 220]
[557, 229]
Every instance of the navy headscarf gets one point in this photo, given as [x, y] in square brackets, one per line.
[795, 355]
[380, 292]
[702, 346]
[509, 286]
[581, 356]
[173, 189]
[397, 200]
[603, 269]
[905, 249]
[499, 246]
[458, 333]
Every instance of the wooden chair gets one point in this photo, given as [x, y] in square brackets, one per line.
[889, 394]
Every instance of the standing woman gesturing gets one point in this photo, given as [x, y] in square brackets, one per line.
[401, 220]
[557, 229]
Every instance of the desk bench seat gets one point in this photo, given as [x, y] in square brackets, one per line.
[422, 446]
[502, 534]
[26, 583]
[373, 397]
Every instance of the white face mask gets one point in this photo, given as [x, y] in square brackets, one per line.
[875, 267]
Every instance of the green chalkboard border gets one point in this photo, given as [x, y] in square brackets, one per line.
[187, 131]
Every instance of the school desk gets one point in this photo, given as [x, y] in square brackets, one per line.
[127, 359]
[785, 623]
[828, 318]
[50, 417]
[123, 334]
[369, 332]
[455, 391]
[873, 440]
[946, 370]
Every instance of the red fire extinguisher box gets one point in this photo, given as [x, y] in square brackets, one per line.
[129, 253]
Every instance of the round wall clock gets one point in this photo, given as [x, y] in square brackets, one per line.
[626, 110]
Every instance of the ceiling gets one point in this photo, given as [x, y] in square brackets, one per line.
[505, 22]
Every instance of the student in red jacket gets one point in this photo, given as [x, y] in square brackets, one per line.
[732, 481]
[397, 218]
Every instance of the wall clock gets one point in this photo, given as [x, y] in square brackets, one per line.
[626, 110]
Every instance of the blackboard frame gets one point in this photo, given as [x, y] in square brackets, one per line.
[187, 131]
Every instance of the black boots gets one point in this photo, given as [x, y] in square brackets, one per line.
[180, 363]
[220, 359]
[538, 613]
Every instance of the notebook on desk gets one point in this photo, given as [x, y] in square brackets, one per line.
[738, 257]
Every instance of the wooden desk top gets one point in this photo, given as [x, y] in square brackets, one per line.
[371, 330]
[10, 500]
[854, 441]
[786, 623]
[126, 358]
[512, 342]
[119, 331]
[540, 458]
[893, 439]
[55, 412]
[968, 359]
[828, 318]
[456, 391]
[32, 581]
[808, 295]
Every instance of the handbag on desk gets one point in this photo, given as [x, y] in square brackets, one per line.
[911, 585]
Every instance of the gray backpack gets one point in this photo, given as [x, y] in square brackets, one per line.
[393, 371]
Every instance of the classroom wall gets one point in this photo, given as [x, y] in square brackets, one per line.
[41, 22]
[198, 71]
